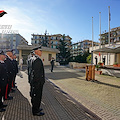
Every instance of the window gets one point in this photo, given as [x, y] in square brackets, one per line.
[49, 57]
[35, 37]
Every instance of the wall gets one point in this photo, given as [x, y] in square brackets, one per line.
[118, 58]
[44, 56]
[112, 58]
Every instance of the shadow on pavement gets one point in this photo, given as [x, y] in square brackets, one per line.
[62, 75]
[107, 84]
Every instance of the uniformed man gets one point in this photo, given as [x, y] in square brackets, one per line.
[16, 69]
[11, 73]
[37, 82]
[52, 63]
[3, 79]
[30, 60]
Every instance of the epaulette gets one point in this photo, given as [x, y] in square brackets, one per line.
[2, 61]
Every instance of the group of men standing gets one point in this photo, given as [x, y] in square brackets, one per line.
[8, 71]
[36, 77]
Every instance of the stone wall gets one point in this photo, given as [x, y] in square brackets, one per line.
[76, 65]
[111, 72]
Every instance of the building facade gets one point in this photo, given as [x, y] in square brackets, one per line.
[11, 41]
[51, 41]
[80, 47]
[47, 53]
[110, 58]
[114, 36]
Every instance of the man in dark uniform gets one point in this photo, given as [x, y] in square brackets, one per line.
[3, 79]
[16, 69]
[37, 81]
[104, 60]
[52, 63]
[30, 60]
[11, 73]
[96, 59]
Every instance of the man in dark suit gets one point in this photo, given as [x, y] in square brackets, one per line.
[16, 69]
[11, 73]
[104, 60]
[52, 63]
[96, 59]
[3, 79]
[37, 81]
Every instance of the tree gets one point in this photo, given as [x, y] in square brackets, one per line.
[82, 58]
[45, 41]
[89, 59]
[64, 55]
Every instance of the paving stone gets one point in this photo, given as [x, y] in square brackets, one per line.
[56, 107]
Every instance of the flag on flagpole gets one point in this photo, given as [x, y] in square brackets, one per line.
[2, 12]
[99, 53]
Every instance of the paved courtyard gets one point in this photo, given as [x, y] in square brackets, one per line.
[101, 97]
[56, 104]
[67, 96]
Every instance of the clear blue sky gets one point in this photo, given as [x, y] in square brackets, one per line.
[69, 17]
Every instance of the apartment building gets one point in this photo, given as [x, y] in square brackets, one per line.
[114, 36]
[106, 50]
[80, 47]
[11, 41]
[51, 41]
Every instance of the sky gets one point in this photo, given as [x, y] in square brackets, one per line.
[69, 17]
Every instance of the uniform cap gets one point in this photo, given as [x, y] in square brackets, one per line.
[37, 48]
[32, 52]
[2, 53]
[9, 50]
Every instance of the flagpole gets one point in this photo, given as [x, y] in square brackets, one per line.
[92, 34]
[100, 27]
[100, 31]
[109, 26]
[109, 31]
[92, 44]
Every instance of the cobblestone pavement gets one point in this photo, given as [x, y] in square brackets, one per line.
[56, 104]
[101, 96]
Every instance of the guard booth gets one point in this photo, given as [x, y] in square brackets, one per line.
[90, 72]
